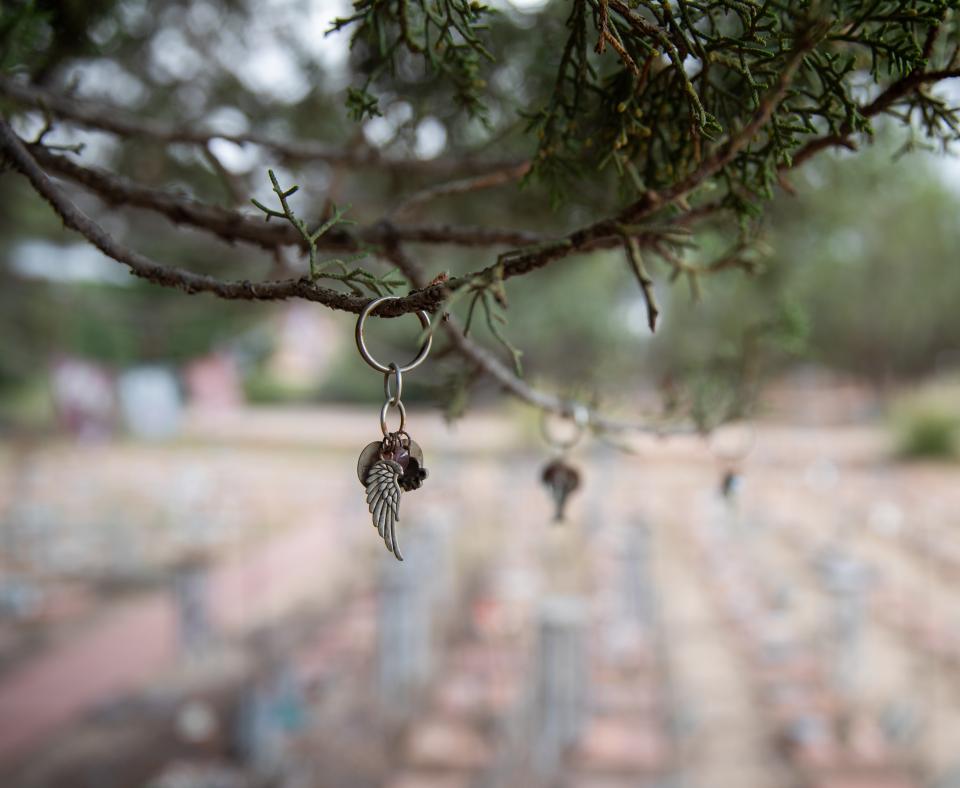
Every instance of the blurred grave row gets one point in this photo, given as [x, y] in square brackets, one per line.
[668, 635]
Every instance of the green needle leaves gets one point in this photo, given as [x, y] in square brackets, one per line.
[357, 279]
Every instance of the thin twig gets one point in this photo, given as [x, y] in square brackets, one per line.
[898, 90]
[234, 192]
[121, 123]
[461, 186]
[634, 257]
[142, 266]
[483, 360]
[534, 253]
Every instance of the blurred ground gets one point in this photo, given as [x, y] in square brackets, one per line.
[217, 610]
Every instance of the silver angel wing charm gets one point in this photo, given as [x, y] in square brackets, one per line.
[383, 500]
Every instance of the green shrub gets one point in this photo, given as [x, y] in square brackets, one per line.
[927, 425]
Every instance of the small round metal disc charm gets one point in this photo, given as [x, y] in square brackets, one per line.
[416, 452]
[369, 455]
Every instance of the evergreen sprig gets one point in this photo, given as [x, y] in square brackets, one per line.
[23, 26]
[355, 278]
[445, 34]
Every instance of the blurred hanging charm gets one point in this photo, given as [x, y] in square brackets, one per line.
[730, 446]
[559, 476]
[729, 484]
[561, 479]
[393, 465]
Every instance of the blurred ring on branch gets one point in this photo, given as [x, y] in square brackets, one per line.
[577, 415]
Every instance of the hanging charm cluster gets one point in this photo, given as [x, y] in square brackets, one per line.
[560, 477]
[393, 465]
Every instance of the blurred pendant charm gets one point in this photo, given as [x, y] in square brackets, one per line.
[389, 467]
[561, 479]
[730, 484]
[559, 476]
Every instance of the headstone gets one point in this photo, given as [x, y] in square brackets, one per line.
[191, 582]
[560, 703]
[636, 583]
[83, 396]
[629, 619]
[948, 779]
[213, 382]
[406, 627]
[272, 710]
[21, 597]
[436, 537]
[150, 402]
[847, 579]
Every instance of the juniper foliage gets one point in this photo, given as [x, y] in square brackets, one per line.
[647, 88]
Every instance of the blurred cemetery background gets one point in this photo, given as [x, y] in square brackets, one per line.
[191, 594]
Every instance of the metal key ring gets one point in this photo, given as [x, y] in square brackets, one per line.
[393, 399]
[362, 345]
[383, 416]
[578, 415]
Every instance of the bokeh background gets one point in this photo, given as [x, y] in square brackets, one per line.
[190, 590]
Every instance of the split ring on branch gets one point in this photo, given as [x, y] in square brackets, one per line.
[365, 353]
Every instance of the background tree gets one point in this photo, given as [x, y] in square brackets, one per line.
[654, 129]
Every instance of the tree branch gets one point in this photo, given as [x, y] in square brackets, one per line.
[635, 259]
[881, 103]
[429, 298]
[145, 268]
[231, 225]
[487, 363]
[119, 122]
[462, 186]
